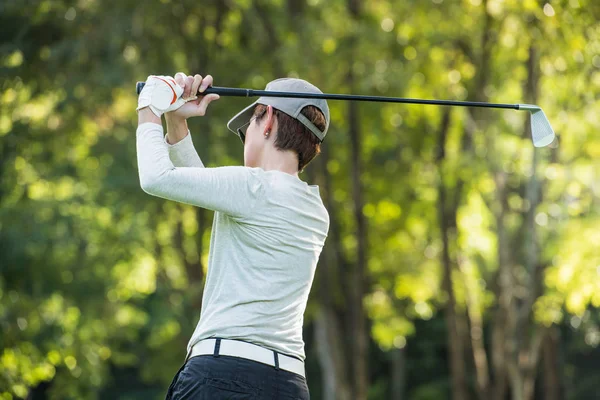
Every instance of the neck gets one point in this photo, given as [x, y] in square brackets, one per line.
[277, 160]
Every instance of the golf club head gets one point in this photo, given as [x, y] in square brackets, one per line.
[541, 131]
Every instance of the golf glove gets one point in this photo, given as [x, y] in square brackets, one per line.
[162, 94]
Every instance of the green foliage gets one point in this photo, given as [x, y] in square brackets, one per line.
[100, 283]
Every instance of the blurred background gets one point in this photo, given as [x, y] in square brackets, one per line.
[461, 263]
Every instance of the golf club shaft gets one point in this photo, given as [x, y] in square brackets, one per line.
[236, 92]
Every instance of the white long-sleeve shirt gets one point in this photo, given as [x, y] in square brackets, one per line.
[268, 232]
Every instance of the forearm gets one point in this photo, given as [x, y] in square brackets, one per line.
[152, 104]
[177, 128]
[146, 115]
[181, 147]
[232, 190]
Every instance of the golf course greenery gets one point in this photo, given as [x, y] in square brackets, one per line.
[462, 263]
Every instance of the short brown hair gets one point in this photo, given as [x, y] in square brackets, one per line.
[293, 135]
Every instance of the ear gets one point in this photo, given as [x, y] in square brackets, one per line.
[269, 121]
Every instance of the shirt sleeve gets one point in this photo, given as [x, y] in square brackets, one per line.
[235, 191]
[183, 153]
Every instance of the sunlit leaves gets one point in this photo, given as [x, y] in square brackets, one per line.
[130, 316]
[573, 278]
[476, 238]
[385, 211]
[138, 278]
[162, 334]
[14, 59]
[91, 265]
[419, 286]
[389, 329]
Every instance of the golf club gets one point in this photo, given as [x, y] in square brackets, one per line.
[541, 131]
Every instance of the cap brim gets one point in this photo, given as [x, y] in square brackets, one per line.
[241, 119]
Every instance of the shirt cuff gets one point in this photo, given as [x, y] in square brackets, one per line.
[146, 126]
[181, 143]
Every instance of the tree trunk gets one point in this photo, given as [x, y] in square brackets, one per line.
[455, 336]
[359, 346]
[503, 293]
[530, 357]
[446, 218]
[525, 338]
[272, 42]
[478, 93]
[480, 359]
[328, 333]
[194, 270]
[331, 359]
[531, 347]
[398, 374]
[551, 371]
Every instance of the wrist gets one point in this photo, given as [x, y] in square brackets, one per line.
[172, 117]
[147, 115]
[177, 128]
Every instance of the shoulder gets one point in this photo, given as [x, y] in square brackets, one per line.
[240, 172]
[297, 194]
[239, 179]
[239, 169]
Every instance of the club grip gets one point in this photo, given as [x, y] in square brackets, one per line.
[139, 86]
[221, 91]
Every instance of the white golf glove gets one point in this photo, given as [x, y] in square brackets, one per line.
[162, 94]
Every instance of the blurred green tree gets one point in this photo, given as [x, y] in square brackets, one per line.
[461, 263]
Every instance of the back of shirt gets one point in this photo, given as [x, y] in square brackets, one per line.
[268, 232]
[261, 266]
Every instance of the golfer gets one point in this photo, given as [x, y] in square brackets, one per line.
[268, 232]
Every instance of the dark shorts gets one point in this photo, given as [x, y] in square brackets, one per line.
[225, 377]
